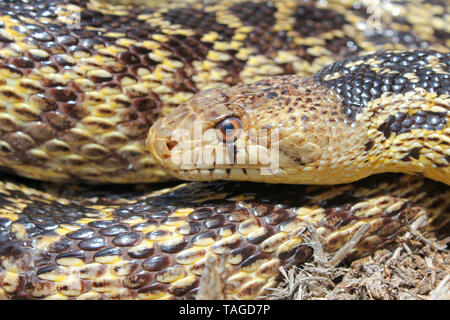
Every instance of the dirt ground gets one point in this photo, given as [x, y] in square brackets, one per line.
[414, 269]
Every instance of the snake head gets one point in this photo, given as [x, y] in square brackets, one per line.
[192, 137]
[273, 130]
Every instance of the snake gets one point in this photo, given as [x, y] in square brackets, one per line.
[93, 94]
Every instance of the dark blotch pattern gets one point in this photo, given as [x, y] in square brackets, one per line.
[359, 83]
[311, 21]
[386, 36]
[402, 122]
[108, 252]
[92, 244]
[199, 21]
[72, 255]
[271, 206]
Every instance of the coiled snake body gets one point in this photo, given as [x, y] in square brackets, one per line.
[80, 92]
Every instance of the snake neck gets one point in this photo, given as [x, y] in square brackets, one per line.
[410, 133]
[337, 126]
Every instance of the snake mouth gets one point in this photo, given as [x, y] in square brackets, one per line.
[208, 156]
[206, 174]
[217, 162]
[237, 174]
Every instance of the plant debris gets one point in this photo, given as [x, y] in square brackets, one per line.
[414, 267]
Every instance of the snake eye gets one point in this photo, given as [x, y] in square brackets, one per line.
[229, 129]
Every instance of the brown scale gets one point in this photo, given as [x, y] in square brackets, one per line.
[364, 82]
[193, 48]
[309, 21]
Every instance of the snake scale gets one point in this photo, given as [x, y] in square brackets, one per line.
[82, 82]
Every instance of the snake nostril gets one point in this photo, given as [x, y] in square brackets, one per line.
[171, 144]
